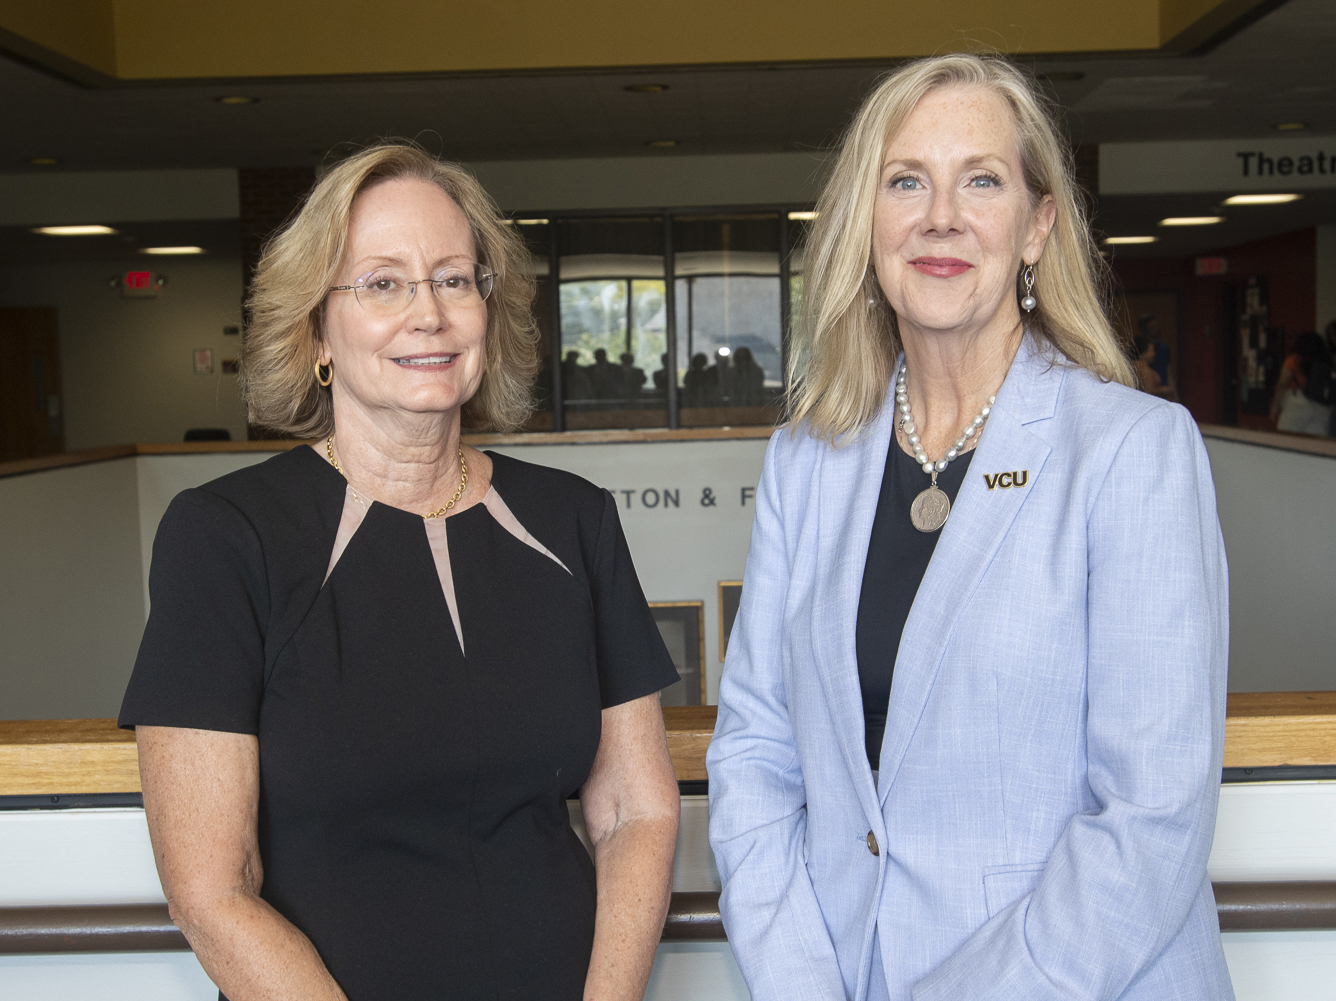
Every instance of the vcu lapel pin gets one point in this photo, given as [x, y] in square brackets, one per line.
[1005, 480]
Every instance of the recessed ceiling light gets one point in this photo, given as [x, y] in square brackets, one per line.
[531, 222]
[1130, 239]
[44, 161]
[1192, 220]
[1062, 76]
[1291, 126]
[237, 99]
[1261, 199]
[76, 230]
[171, 251]
[662, 143]
[645, 88]
[802, 216]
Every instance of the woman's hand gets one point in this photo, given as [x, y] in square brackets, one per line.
[201, 795]
[631, 806]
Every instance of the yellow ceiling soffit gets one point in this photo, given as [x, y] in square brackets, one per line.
[147, 40]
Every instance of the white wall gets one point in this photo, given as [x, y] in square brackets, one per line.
[73, 606]
[76, 544]
[111, 196]
[127, 369]
[1275, 512]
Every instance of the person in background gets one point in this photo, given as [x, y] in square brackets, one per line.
[661, 377]
[971, 719]
[574, 377]
[748, 379]
[700, 385]
[1303, 397]
[603, 376]
[629, 377]
[376, 668]
[1148, 375]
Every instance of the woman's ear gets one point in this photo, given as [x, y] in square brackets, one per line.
[1041, 224]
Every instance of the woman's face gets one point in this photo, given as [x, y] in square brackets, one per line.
[953, 219]
[429, 357]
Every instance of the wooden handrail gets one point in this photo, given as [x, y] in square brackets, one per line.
[68, 757]
[692, 917]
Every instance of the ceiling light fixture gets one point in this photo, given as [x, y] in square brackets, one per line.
[1192, 220]
[802, 216]
[662, 143]
[237, 99]
[1261, 199]
[1291, 126]
[171, 251]
[645, 88]
[531, 222]
[1114, 240]
[75, 230]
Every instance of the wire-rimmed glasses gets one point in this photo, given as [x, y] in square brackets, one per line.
[387, 291]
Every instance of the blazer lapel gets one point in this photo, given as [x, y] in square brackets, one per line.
[979, 520]
[847, 505]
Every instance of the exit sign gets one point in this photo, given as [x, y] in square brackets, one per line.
[1212, 265]
[141, 284]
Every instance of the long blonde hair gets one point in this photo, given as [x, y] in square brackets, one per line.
[840, 370]
[287, 298]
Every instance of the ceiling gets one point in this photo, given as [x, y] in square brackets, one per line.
[1278, 69]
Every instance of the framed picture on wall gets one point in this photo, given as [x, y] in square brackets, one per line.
[730, 593]
[682, 625]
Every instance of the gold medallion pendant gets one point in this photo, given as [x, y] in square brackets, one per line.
[930, 509]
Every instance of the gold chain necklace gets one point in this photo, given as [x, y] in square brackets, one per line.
[440, 511]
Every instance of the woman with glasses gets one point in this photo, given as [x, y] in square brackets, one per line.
[377, 667]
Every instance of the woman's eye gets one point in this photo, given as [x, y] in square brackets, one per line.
[380, 283]
[905, 184]
[984, 181]
[455, 280]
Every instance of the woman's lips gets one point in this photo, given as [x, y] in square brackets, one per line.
[428, 362]
[940, 267]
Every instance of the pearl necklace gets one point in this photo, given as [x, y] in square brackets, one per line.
[931, 507]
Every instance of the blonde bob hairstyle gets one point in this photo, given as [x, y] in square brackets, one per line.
[301, 262]
[842, 368]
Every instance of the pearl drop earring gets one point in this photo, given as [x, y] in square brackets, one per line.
[1029, 302]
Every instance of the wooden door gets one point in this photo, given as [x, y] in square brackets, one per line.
[31, 409]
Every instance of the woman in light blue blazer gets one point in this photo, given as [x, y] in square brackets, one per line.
[971, 722]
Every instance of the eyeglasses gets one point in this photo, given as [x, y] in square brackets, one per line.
[385, 291]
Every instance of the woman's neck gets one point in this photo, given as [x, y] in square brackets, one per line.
[950, 377]
[410, 463]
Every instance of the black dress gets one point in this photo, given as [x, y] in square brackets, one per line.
[426, 694]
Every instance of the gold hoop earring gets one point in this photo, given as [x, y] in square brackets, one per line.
[327, 379]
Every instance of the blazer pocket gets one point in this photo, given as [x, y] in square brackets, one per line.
[1003, 885]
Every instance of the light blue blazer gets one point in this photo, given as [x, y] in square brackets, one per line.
[1051, 764]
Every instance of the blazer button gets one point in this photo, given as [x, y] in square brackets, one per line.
[872, 843]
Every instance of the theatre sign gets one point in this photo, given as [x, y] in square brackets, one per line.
[1224, 165]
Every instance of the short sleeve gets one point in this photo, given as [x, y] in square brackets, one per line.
[632, 658]
[201, 661]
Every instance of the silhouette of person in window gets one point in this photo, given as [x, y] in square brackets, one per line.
[629, 377]
[748, 380]
[574, 377]
[700, 386]
[602, 377]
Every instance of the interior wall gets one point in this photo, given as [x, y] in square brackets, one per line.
[127, 364]
[654, 182]
[73, 610]
[1290, 263]
[1326, 276]
[1275, 514]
